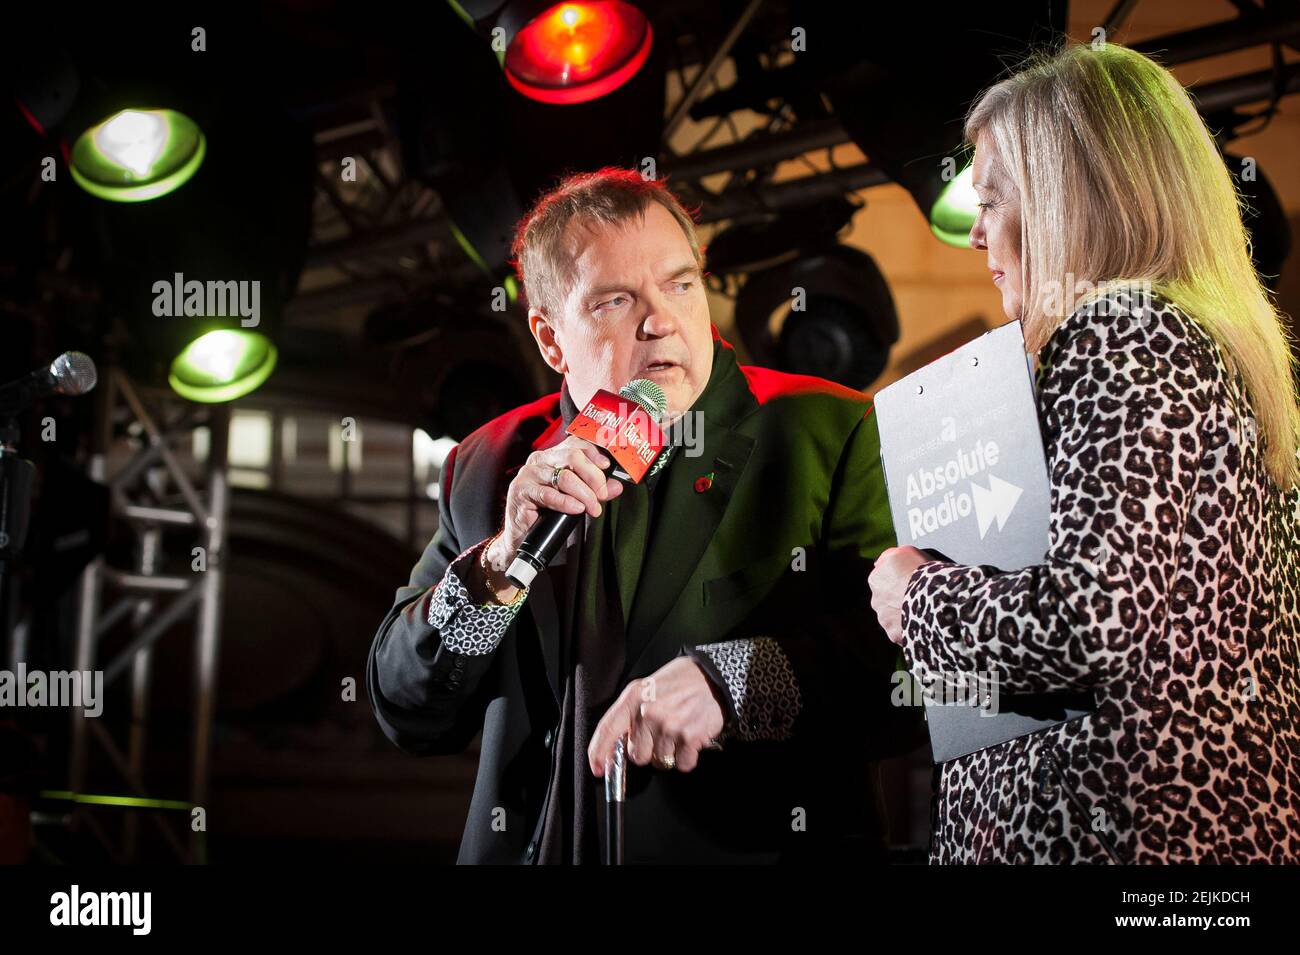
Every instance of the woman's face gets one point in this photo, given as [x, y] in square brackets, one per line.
[997, 226]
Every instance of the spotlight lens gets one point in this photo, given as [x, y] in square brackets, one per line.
[138, 154]
[576, 52]
[953, 214]
[222, 365]
[134, 139]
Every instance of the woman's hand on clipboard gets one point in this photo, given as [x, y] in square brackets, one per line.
[888, 582]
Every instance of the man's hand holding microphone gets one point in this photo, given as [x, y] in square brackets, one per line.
[683, 714]
[569, 478]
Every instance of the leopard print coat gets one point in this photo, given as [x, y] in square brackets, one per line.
[1171, 588]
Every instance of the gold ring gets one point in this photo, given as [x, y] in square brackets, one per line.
[664, 762]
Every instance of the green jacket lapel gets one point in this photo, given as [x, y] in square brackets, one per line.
[686, 519]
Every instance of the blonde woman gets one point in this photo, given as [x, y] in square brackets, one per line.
[1171, 585]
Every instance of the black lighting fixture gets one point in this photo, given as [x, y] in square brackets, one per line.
[809, 304]
[198, 278]
[195, 188]
[488, 151]
[904, 104]
[456, 364]
[128, 119]
[564, 53]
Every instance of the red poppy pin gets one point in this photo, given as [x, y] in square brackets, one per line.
[704, 483]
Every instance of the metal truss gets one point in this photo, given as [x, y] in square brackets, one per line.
[385, 236]
[750, 196]
[151, 492]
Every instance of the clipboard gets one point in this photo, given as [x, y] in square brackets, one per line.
[966, 473]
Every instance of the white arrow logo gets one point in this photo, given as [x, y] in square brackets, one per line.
[997, 500]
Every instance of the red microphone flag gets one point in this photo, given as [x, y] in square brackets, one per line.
[623, 428]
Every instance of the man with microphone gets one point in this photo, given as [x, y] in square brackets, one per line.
[714, 614]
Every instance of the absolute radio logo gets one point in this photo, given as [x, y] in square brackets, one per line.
[989, 504]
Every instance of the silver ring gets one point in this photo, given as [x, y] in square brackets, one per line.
[555, 476]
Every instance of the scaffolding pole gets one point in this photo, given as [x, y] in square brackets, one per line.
[151, 494]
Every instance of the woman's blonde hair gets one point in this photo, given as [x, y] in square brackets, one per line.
[1120, 181]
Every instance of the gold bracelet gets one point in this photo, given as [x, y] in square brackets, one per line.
[487, 572]
[482, 555]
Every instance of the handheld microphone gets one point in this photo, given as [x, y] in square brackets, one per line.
[72, 373]
[632, 441]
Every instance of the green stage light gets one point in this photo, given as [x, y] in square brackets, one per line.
[122, 802]
[222, 365]
[953, 214]
[137, 155]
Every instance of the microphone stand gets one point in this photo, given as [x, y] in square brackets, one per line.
[15, 501]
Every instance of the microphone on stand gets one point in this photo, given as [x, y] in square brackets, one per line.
[72, 373]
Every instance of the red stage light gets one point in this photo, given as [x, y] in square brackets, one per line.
[576, 52]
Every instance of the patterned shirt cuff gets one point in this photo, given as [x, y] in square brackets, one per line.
[761, 683]
[721, 691]
[466, 627]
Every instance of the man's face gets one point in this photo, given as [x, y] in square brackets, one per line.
[636, 309]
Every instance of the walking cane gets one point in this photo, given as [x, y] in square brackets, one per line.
[615, 799]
